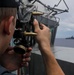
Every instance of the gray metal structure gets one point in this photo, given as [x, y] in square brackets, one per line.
[51, 24]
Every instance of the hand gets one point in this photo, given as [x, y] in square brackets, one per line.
[43, 35]
[12, 61]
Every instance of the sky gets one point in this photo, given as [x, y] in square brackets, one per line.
[66, 24]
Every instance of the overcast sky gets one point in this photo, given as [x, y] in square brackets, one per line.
[66, 27]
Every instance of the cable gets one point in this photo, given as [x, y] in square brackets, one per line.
[57, 4]
[66, 5]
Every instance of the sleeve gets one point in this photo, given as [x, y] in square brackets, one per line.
[3, 71]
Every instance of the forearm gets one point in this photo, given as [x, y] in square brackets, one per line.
[51, 65]
[43, 39]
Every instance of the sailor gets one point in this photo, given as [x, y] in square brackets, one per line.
[9, 60]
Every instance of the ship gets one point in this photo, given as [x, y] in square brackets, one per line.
[72, 37]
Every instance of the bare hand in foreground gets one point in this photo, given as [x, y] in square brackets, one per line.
[12, 61]
[43, 35]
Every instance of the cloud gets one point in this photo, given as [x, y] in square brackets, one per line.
[65, 30]
[66, 27]
[66, 24]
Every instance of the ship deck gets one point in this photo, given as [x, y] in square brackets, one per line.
[63, 55]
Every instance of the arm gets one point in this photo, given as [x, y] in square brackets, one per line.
[51, 65]
[43, 39]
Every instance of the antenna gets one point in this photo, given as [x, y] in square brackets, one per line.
[53, 9]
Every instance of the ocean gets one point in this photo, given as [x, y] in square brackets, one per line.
[63, 49]
[64, 42]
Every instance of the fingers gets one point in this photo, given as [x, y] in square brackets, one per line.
[11, 52]
[26, 59]
[26, 64]
[43, 26]
[36, 25]
[27, 55]
[29, 49]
